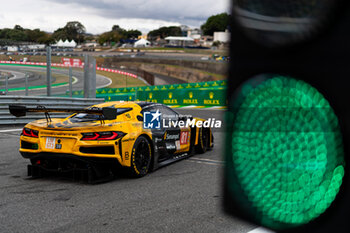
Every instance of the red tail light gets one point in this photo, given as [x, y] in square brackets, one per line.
[109, 135]
[90, 136]
[30, 132]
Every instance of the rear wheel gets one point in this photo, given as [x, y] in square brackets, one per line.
[141, 157]
[203, 140]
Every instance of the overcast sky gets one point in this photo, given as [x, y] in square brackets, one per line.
[100, 15]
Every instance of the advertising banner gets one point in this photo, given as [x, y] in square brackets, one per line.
[211, 93]
[74, 62]
[213, 97]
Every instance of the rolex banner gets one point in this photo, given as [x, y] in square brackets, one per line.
[207, 97]
[198, 94]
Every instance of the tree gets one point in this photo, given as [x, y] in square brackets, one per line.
[133, 34]
[117, 28]
[165, 32]
[126, 34]
[76, 30]
[109, 37]
[21, 34]
[45, 39]
[60, 34]
[116, 34]
[34, 35]
[18, 27]
[73, 30]
[216, 23]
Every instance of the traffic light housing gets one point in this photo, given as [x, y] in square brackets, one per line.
[288, 120]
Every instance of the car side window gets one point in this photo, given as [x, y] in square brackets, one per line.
[148, 109]
[167, 113]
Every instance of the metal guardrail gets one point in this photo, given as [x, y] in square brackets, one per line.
[7, 119]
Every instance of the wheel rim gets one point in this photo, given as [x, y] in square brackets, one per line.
[142, 156]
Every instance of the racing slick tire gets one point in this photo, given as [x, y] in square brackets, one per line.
[203, 140]
[140, 157]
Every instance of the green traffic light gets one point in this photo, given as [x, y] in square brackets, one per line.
[287, 152]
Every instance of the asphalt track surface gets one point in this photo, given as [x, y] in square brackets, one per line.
[182, 197]
[35, 80]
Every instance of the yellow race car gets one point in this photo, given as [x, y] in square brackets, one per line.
[98, 141]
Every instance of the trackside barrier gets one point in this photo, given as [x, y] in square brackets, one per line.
[189, 94]
[185, 97]
[7, 119]
[208, 94]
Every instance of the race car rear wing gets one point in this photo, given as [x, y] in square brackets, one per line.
[107, 113]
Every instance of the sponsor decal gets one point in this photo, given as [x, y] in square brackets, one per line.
[168, 101]
[190, 100]
[177, 143]
[211, 100]
[180, 156]
[184, 137]
[211, 95]
[151, 120]
[157, 140]
[172, 137]
[170, 146]
[133, 162]
[104, 143]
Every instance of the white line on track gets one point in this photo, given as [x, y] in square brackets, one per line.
[210, 160]
[260, 230]
[105, 85]
[190, 106]
[10, 130]
[206, 161]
